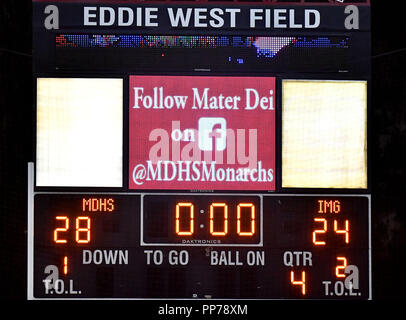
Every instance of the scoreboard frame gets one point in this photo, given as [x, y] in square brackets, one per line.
[51, 70]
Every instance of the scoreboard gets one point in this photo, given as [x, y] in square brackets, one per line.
[200, 151]
[198, 245]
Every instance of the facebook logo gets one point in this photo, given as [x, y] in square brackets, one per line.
[209, 129]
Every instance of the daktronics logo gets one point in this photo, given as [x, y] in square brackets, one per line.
[212, 133]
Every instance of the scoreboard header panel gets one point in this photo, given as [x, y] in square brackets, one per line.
[202, 16]
[156, 37]
[200, 151]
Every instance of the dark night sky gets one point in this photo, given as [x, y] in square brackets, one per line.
[387, 140]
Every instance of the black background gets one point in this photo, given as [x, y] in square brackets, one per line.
[387, 141]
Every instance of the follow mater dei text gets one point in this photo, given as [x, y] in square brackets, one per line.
[202, 99]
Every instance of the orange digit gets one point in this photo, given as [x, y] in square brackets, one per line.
[80, 230]
[252, 213]
[301, 282]
[345, 232]
[64, 229]
[341, 267]
[225, 212]
[191, 215]
[65, 265]
[319, 231]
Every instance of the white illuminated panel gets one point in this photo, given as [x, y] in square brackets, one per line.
[324, 134]
[79, 132]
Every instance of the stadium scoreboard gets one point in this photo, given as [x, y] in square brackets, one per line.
[200, 150]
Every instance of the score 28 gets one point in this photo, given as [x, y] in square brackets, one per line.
[82, 229]
[339, 228]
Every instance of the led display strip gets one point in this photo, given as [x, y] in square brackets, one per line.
[276, 52]
[262, 44]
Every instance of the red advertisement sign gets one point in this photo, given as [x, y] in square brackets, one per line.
[202, 133]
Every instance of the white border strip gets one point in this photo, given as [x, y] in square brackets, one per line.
[30, 232]
[370, 245]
